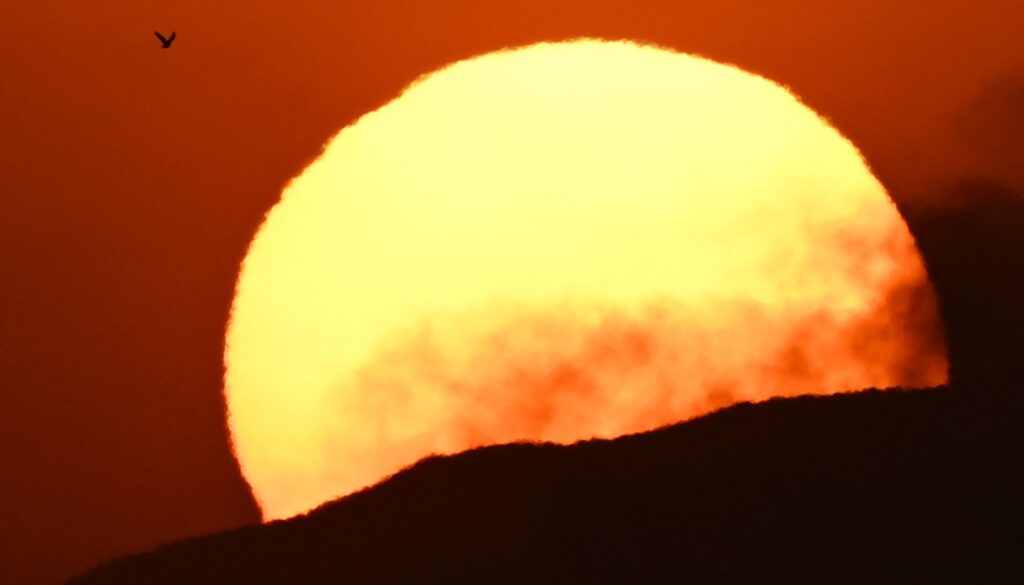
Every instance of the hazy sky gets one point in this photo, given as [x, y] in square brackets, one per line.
[133, 178]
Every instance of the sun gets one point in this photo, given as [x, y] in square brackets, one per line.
[559, 242]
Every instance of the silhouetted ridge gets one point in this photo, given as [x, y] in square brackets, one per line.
[972, 247]
[894, 487]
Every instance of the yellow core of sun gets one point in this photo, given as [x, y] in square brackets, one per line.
[560, 242]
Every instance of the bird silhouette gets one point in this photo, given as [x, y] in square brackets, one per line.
[166, 41]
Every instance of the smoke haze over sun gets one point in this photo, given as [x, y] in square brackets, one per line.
[555, 243]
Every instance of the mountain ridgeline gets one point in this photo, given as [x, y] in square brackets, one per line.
[921, 486]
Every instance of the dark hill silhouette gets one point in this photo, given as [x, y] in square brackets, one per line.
[972, 246]
[874, 487]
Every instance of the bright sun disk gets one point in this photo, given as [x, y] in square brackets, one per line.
[560, 242]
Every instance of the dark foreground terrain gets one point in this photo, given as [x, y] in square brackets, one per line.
[873, 487]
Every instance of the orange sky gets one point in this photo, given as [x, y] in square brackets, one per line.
[133, 178]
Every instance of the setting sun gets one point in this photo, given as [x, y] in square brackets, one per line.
[555, 243]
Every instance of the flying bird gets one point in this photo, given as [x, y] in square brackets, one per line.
[166, 41]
